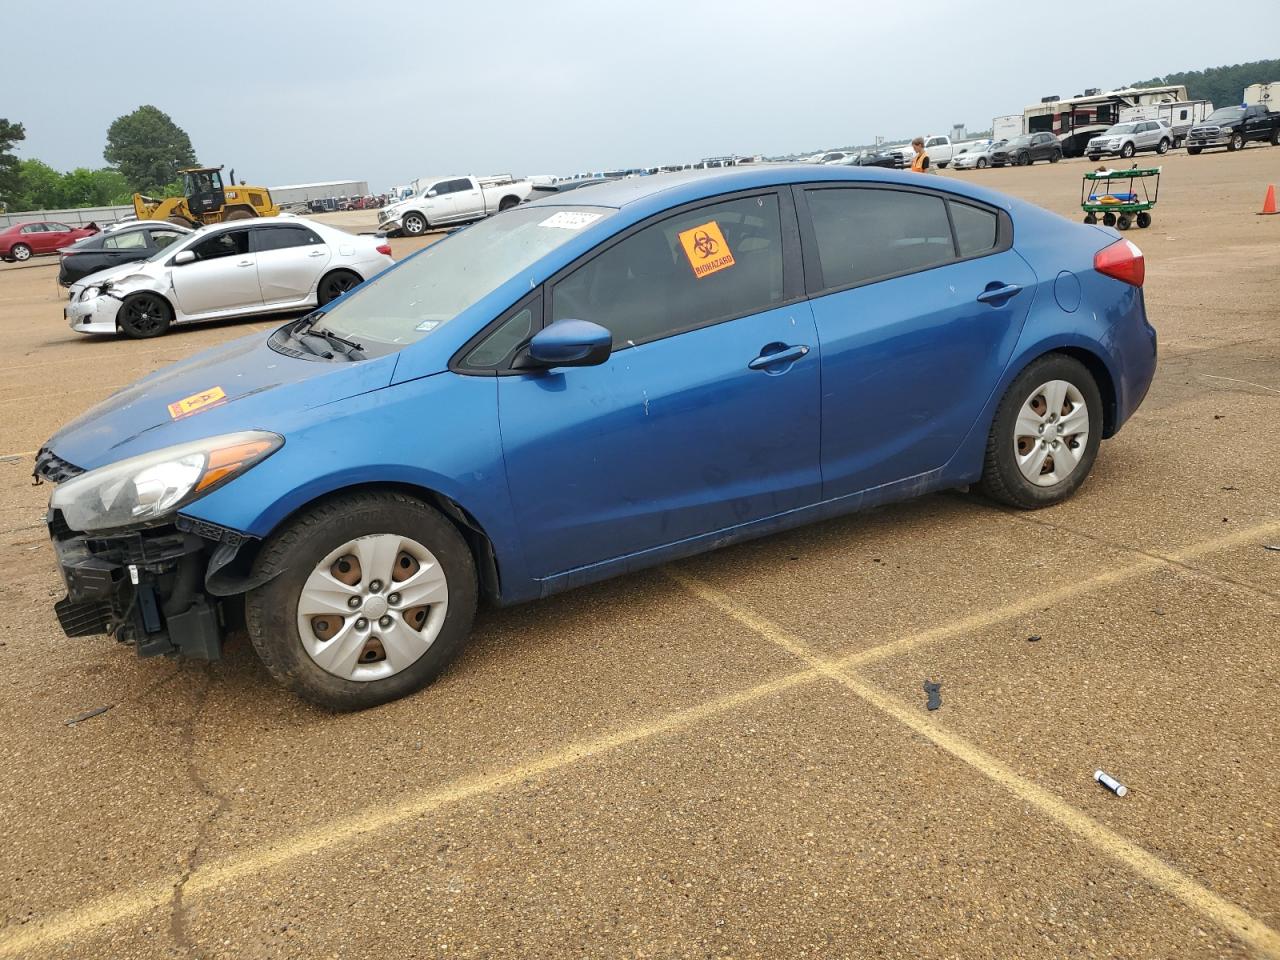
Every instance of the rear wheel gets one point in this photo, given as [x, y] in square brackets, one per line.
[239, 213]
[20, 252]
[1127, 151]
[1124, 223]
[335, 284]
[1162, 147]
[181, 221]
[371, 596]
[414, 224]
[1109, 219]
[1055, 156]
[144, 315]
[506, 203]
[1045, 435]
[1144, 220]
[1090, 218]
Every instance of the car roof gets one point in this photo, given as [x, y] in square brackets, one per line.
[661, 190]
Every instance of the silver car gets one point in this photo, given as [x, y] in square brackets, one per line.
[227, 270]
[1126, 139]
[977, 156]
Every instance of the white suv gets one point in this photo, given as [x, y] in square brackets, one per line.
[1126, 139]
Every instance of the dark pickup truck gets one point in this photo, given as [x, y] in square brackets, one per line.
[1233, 127]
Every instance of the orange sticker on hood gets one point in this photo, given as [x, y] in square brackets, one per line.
[196, 402]
[706, 249]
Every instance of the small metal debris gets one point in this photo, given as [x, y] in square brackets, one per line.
[934, 690]
[89, 714]
[1034, 638]
[1111, 783]
[1273, 547]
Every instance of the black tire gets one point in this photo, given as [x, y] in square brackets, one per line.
[144, 315]
[982, 163]
[506, 203]
[1123, 223]
[1109, 219]
[1090, 218]
[414, 224]
[1194, 151]
[1127, 151]
[1002, 480]
[20, 252]
[1144, 220]
[1024, 159]
[1162, 147]
[334, 284]
[290, 554]
[1235, 143]
[181, 222]
[239, 213]
[1095, 157]
[1055, 156]
[1274, 140]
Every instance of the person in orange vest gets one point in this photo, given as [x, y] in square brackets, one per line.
[921, 162]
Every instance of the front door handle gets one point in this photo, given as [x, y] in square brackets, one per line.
[316, 253]
[785, 355]
[245, 263]
[999, 292]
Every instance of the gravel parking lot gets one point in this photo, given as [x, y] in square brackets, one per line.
[729, 756]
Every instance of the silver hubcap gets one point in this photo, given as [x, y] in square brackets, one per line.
[21, 253]
[372, 607]
[1051, 433]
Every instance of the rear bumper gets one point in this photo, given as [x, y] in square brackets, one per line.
[1134, 344]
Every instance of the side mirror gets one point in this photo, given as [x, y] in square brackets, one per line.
[567, 343]
[431, 193]
[183, 256]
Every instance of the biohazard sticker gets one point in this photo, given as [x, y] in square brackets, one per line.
[706, 249]
[196, 402]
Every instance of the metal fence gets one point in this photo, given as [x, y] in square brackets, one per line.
[76, 218]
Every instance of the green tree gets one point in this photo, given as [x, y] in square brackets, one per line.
[148, 148]
[94, 188]
[1223, 86]
[10, 133]
[39, 187]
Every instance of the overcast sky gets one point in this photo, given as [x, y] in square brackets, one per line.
[294, 92]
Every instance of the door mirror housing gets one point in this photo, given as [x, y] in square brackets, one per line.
[567, 343]
[183, 256]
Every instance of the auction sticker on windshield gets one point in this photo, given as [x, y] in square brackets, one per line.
[706, 249]
[570, 219]
[196, 402]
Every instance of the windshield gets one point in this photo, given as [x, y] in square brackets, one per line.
[1019, 141]
[1225, 114]
[453, 274]
[1120, 128]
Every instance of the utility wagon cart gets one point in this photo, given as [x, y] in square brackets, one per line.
[1120, 204]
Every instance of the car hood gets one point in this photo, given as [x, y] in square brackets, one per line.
[111, 273]
[241, 385]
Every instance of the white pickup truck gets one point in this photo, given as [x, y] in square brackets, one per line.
[441, 201]
[939, 149]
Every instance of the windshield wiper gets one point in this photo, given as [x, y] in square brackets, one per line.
[318, 341]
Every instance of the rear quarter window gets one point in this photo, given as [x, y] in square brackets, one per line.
[976, 229]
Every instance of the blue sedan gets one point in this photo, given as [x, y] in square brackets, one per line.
[585, 386]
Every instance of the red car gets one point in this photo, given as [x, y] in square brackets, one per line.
[24, 240]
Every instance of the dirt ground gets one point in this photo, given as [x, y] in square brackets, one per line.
[729, 756]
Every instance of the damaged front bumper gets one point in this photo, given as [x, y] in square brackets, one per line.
[95, 315]
[163, 589]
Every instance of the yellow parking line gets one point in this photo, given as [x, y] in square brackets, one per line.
[361, 825]
[1225, 914]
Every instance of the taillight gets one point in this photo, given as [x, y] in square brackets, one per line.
[1122, 261]
[384, 249]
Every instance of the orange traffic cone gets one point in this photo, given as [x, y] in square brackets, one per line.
[1269, 204]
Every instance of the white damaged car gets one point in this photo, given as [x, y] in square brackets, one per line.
[226, 270]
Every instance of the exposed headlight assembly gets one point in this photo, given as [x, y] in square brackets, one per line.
[148, 487]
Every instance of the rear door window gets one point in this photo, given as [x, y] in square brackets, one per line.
[281, 238]
[132, 240]
[866, 234]
[698, 267]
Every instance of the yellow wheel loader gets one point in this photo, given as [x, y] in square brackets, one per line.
[207, 201]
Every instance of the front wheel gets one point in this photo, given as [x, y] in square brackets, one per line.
[1109, 219]
[1045, 435]
[1275, 137]
[144, 315]
[1235, 143]
[414, 224]
[1194, 151]
[1127, 151]
[1090, 218]
[370, 597]
[1024, 159]
[20, 252]
[982, 163]
[1144, 220]
[1162, 147]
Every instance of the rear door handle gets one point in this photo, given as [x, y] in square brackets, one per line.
[1004, 292]
[785, 355]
